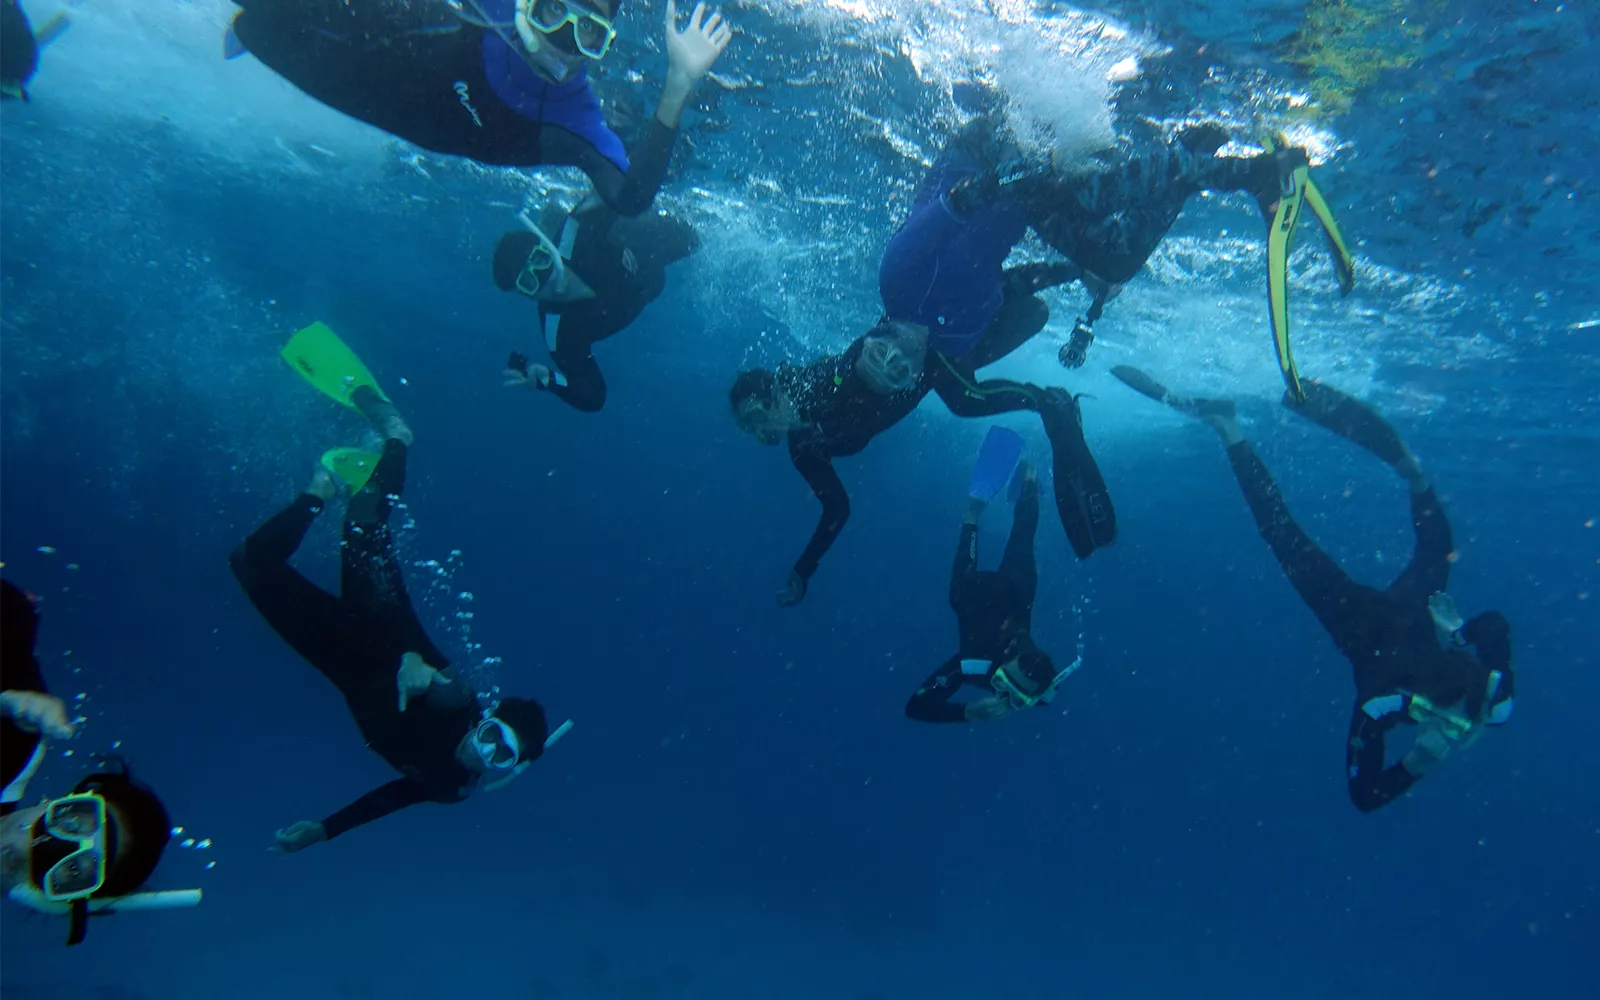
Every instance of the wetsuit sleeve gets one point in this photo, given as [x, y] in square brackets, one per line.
[19, 667]
[824, 481]
[628, 193]
[932, 702]
[376, 804]
[1372, 785]
[673, 240]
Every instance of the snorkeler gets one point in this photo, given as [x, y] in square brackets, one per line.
[994, 613]
[503, 82]
[20, 45]
[1110, 216]
[410, 707]
[1391, 637]
[91, 850]
[836, 405]
[945, 270]
[591, 274]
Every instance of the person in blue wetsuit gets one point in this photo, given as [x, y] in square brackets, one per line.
[503, 82]
[1403, 674]
[994, 613]
[410, 707]
[1110, 215]
[945, 269]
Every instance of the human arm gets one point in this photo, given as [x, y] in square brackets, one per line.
[376, 804]
[932, 702]
[37, 712]
[819, 474]
[690, 55]
[1490, 634]
[1371, 784]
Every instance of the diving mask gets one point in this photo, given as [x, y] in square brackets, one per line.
[546, 266]
[592, 32]
[1456, 727]
[1004, 683]
[496, 744]
[891, 360]
[69, 848]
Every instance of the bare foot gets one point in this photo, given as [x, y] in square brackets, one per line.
[323, 485]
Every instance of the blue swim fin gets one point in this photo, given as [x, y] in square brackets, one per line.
[997, 460]
[232, 48]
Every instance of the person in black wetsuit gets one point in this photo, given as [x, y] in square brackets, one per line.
[500, 81]
[611, 269]
[31, 856]
[994, 612]
[20, 45]
[411, 709]
[835, 406]
[1391, 637]
[29, 713]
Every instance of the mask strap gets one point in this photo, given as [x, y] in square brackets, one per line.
[79, 928]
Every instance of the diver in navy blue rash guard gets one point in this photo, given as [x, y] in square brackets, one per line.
[410, 707]
[503, 82]
[1391, 637]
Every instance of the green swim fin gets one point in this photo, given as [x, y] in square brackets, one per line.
[351, 466]
[333, 369]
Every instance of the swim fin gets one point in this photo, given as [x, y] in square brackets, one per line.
[1194, 406]
[351, 466]
[1280, 234]
[1351, 419]
[333, 369]
[1344, 265]
[997, 460]
[52, 29]
[1082, 500]
[232, 48]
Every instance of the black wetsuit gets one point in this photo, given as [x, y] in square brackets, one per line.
[843, 415]
[19, 671]
[994, 613]
[357, 641]
[625, 261]
[1110, 219]
[430, 75]
[1389, 635]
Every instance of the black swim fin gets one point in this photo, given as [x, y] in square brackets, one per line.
[1351, 419]
[1200, 407]
[1082, 499]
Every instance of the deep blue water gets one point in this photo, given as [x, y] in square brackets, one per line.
[741, 810]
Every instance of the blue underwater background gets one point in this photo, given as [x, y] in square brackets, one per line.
[742, 811]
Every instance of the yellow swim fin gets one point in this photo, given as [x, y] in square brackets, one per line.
[352, 466]
[1343, 264]
[333, 369]
[1280, 234]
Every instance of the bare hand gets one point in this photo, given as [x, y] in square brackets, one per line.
[299, 836]
[34, 712]
[415, 678]
[991, 707]
[793, 592]
[692, 51]
[536, 377]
